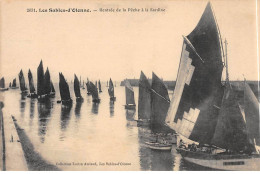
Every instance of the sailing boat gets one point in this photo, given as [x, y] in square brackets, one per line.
[144, 101]
[206, 112]
[83, 85]
[99, 86]
[2, 85]
[94, 92]
[111, 91]
[31, 86]
[129, 96]
[40, 81]
[52, 94]
[22, 83]
[47, 83]
[77, 89]
[88, 88]
[14, 84]
[64, 91]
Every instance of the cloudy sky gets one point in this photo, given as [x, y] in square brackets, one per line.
[100, 45]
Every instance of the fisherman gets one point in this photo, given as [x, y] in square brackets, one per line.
[193, 147]
[182, 144]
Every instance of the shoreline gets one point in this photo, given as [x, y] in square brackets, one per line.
[34, 160]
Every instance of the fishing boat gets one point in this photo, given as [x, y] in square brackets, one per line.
[88, 88]
[206, 112]
[31, 86]
[2, 84]
[129, 96]
[144, 101]
[99, 86]
[94, 92]
[23, 87]
[53, 92]
[14, 84]
[40, 82]
[111, 91]
[159, 146]
[47, 83]
[64, 91]
[79, 98]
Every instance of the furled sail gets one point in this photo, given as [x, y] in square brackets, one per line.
[31, 84]
[160, 105]
[93, 90]
[14, 83]
[22, 81]
[40, 80]
[129, 92]
[2, 82]
[99, 86]
[230, 132]
[47, 82]
[144, 98]
[111, 89]
[251, 108]
[64, 88]
[198, 92]
[77, 87]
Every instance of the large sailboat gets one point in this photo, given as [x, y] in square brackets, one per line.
[31, 86]
[129, 96]
[99, 86]
[2, 84]
[23, 87]
[64, 91]
[14, 86]
[94, 92]
[206, 113]
[144, 101]
[79, 98]
[111, 91]
[40, 81]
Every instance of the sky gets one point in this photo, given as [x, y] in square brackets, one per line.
[100, 45]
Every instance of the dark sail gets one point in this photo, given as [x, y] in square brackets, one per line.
[77, 87]
[52, 88]
[111, 89]
[129, 93]
[10, 84]
[160, 105]
[64, 88]
[99, 86]
[144, 98]
[14, 83]
[230, 132]
[31, 84]
[93, 90]
[252, 115]
[2, 82]
[40, 80]
[198, 92]
[47, 82]
[22, 81]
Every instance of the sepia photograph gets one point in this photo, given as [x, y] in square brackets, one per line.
[113, 85]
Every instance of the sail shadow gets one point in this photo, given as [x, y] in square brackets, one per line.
[65, 116]
[44, 114]
[94, 108]
[111, 108]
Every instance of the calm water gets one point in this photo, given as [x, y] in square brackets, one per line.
[88, 133]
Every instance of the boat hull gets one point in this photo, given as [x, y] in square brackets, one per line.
[4, 89]
[131, 107]
[239, 162]
[158, 146]
[32, 95]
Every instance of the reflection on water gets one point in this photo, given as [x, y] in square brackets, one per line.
[95, 107]
[44, 114]
[110, 136]
[111, 108]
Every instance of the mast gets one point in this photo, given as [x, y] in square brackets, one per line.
[226, 61]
